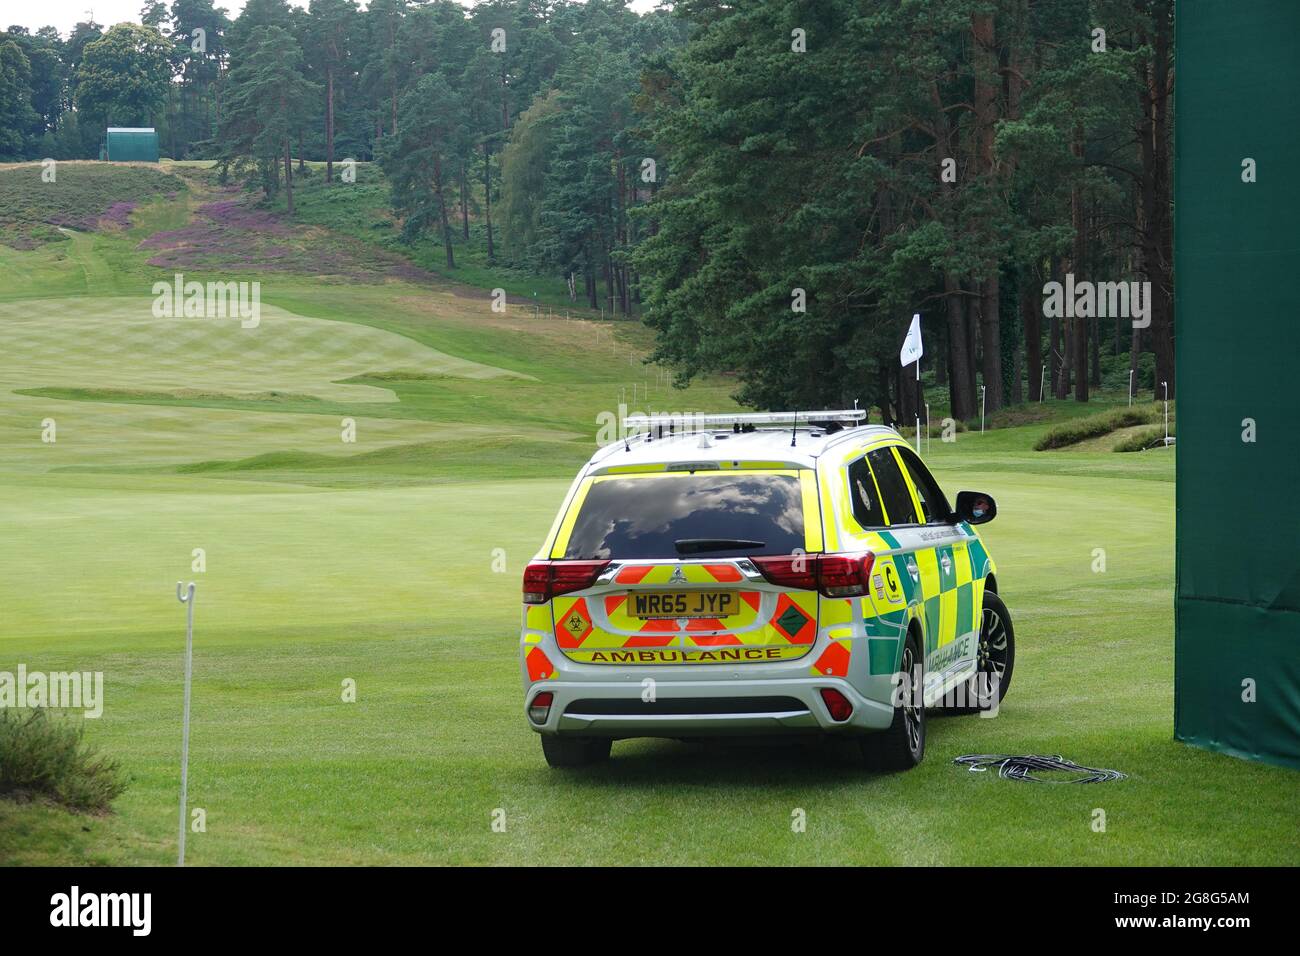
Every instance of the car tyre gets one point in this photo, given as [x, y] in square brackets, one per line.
[994, 655]
[574, 751]
[902, 745]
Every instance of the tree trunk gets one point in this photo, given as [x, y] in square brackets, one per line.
[606, 265]
[1080, 325]
[941, 351]
[906, 378]
[1017, 395]
[961, 385]
[505, 99]
[464, 202]
[487, 198]
[1094, 353]
[973, 303]
[329, 126]
[171, 122]
[1055, 357]
[288, 177]
[885, 377]
[589, 280]
[442, 212]
[1031, 318]
[1066, 347]
[1157, 235]
[986, 110]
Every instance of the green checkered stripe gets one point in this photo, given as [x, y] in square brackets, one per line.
[885, 631]
[947, 582]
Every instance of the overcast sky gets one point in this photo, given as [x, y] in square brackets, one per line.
[64, 14]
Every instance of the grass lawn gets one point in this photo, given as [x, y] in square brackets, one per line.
[373, 561]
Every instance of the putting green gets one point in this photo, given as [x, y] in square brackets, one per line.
[97, 342]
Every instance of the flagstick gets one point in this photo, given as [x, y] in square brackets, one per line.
[907, 349]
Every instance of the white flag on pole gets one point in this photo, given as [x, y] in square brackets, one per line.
[912, 350]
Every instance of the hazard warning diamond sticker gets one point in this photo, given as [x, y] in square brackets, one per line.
[573, 627]
[792, 621]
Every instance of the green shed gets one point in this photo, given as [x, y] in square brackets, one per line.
[131, 144]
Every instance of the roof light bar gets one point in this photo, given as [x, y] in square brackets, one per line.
[692, 421]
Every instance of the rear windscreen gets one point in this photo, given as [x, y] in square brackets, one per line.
[629, 518]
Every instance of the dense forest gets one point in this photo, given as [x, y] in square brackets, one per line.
[775, 187]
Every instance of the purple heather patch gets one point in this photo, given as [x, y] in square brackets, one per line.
[232, 232]
[119, 213]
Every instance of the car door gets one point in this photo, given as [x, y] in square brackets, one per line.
[913, 559]
[954, 603]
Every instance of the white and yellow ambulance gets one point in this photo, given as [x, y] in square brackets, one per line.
[760, 573]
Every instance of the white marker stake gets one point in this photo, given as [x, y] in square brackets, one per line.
[1166, 385]
[1042, 384]
[188, 600]
[927, 428]
[1130, 386]
[983, 390]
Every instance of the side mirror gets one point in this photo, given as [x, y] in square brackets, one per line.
[975, 507]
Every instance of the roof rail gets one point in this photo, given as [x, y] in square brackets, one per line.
[686, 422]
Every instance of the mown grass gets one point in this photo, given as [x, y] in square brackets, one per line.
[380, 562]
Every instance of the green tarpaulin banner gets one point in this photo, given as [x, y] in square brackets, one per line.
[1237, 268]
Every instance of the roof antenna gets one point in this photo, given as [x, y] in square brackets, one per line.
[794, 429]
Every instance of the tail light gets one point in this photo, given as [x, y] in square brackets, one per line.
[544, 580]
[838, 705]
[790, 571]
[540, 708]
[834, 575]
[844, 575]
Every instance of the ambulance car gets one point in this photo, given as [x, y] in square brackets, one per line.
[760, 573]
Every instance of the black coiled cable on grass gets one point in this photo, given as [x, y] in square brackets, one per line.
[1022, 768]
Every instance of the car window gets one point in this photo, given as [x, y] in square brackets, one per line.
[933, 502]
[893, 487]
[866, 501]
[632, 518]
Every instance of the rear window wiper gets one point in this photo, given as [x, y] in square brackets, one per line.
[701, 545]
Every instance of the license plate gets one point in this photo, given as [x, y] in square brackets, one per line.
[671, 604]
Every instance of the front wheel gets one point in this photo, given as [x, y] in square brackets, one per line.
[574, 751]
[995, 656]
[902, 745]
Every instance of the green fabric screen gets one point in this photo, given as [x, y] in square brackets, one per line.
[1237, 263]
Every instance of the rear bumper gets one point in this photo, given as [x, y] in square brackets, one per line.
[703, 708]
